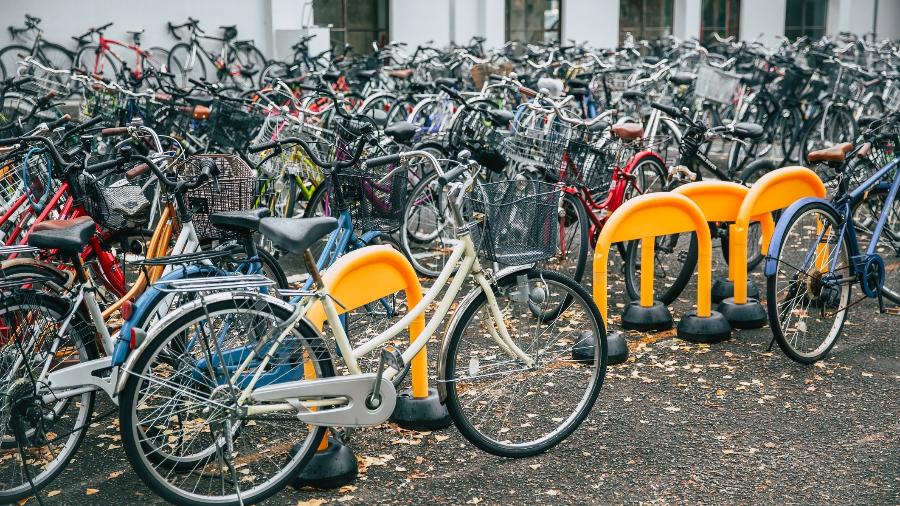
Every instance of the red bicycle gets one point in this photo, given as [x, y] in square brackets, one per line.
[599, 167]
[144, 68]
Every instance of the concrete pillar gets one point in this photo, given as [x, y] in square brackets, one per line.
[763, 19]
[686, 18]
[593, 21]
[855, 16]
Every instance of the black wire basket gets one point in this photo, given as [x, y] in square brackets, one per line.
[233, 124]
[116, 202]
[375, 196]
[232, 190]
[588, 161]
[517, 221]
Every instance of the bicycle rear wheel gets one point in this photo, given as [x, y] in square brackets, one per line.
[499, 403]
[807, 297]
[49, 433]
[865, 217]
[179, 401]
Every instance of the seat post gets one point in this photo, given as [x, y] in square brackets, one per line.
[313, 269]
[78, 265]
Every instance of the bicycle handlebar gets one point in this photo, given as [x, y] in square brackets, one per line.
[312, 154]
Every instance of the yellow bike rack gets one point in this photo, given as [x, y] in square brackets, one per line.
[646, 217]
[774, 191]
[721, 201]
[358, 278]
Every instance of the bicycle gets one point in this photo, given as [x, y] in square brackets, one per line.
[261, 325]
[238, 61]
[149, 70]
[816, 257]
[48, 53]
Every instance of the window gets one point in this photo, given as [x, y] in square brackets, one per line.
[805, 17]
[720, 16]
[645, 19]
[356, 22]
[533, 20]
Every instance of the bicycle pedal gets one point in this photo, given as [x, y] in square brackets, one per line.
[392, 357]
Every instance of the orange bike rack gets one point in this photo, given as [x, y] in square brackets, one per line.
[721, 201]
[354, 280]
[646, 217]
[776, 190]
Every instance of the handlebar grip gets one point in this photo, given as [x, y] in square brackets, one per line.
[450, 91]
[671, 111]
[197, 83]
[451, 174]
[65, 118]
[113, 131]
[495, 77]
[136, 171]
[22, 80]
[89, 123]
[382, 160]
[97, 167]
[262, 147]
[528, 92]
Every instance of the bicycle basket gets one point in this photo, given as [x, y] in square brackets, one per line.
[537, 140]
[99, 100]
[232, 190]
[116, 202]
[517, 221]
[233, 124]
[589, 160]
[716, 85]
[607, 87]
[376, 196]
[19, 168]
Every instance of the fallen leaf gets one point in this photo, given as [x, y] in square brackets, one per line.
[311, 502]
[115, 474]
[54, 493]
[534, 466]
[440, 438]
[91, 491]
[727, 452]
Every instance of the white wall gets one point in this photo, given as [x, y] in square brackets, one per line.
[888, 17]
[62, 19]
[481, 18]
[593, 21]
[419, 21]
[686, 18]
[854, 16]
[764, 17]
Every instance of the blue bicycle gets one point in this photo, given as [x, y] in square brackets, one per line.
[821, 248]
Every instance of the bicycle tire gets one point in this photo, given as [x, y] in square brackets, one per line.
[9, 58]
[890, 254]
[57, 309]
[800, 289]
[663, 291]
[293, 460]
[472, 430]
[181, 54]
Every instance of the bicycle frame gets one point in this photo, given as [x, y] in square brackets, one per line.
[105, 46]
[843, 208]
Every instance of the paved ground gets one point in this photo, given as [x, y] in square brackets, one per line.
[728, 423]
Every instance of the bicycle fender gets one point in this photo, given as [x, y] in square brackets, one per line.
[67, 277]
[460, 309]
[771, 264]
[145, 303]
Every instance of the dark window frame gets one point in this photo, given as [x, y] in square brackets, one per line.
[510, 31]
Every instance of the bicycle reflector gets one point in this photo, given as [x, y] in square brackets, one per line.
[137, 337]
[127, 310]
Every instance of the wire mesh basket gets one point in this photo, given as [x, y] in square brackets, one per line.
[376, 196]
[117, 202]
[232, 190]
[517, 221]
[98, 99]
[537, 140]
[607, 87]
[588, 160]
[25, 171]
[233, 124]
[716, 85]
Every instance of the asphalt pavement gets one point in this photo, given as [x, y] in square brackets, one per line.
[728, 423]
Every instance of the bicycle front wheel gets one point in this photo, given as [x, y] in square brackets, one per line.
[184, 429]
[520, 404]
[807, 297]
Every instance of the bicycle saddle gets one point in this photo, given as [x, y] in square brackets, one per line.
[578, 92]
[634, 95]
[69, 236]
[331, 76]
[296, 235]
[628, 131]
[577, 83]
[834, 154]
[682, 78]
[501, 116]
[199, 100]
[246, 221]
[378, 115]
[400, 73]
[401, 131]
[366, 75]
[746, 130]
[446, 81]
[865, 121]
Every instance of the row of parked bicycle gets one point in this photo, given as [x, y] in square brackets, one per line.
[143, 241]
